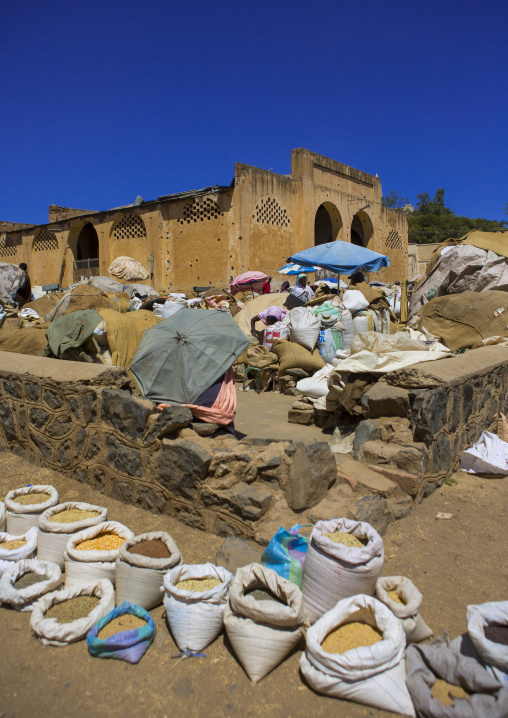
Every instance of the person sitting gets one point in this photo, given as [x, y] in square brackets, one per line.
[24, 290]
[356, 278]
[269, 316]
[267, 287]
[284, 287]
[301, 290]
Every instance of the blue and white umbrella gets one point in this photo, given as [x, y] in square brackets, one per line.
[297, 269]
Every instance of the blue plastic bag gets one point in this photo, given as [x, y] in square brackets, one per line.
[125, 645]
[286, 554]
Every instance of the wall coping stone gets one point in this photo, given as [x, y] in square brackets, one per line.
[61, 371]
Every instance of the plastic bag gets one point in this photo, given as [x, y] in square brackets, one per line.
[28, 550]
[53, 536]
[263, 632]
[334, 571]
[286, 554]
[53, 633]
[195, 618]
[22, 599]
[429, 661]
[330, 341]
[138, 579]
[374, 675]
[128, 646]
[21, 517]
[305, 327]
[413, 624]
[274, 332]
[82, 567]
[354, 300]
[488, 456]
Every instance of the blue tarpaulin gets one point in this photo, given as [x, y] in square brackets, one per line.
[341, 258]
[297, 269]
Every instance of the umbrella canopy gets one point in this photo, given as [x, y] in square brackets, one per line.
[181, 357]
[249, 280]
[297, 269]
[342, 258]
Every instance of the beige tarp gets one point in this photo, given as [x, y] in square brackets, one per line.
[31, 340]
[489, 241]
[256, 305]
[125, 331]
[86, 296]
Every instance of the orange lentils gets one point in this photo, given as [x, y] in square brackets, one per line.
[107, 541]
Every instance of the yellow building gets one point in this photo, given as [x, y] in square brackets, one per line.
[207, 236]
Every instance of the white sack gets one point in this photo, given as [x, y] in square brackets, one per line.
[488, 456]
[334, 571]
[330, 341]
[354, 300]
[27, 551]
[374, 675]
[263, 632]
[349, 332]
[305, 327]
[53, 633]
[172, 307]
[21, 517]
[195, 618]
[2, 517]
[316, 385]
[23, 598]
[413, 624]
[493, 655]
[139, 579]
[83, 567]
[53, 536]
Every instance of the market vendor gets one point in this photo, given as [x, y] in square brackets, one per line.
[269, 316]
[301, 290]
[356, 278]
[24, 290]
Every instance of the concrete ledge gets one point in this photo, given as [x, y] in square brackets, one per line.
[58, 370]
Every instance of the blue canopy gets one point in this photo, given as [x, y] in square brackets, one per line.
[297, 269]
[341, 258]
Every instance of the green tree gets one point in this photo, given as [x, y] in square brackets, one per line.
[394, 200]
[423, 203]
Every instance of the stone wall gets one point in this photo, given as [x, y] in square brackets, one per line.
[56, 213]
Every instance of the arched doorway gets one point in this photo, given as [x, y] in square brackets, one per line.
[361, 229]
[327, 224]
[87, 246]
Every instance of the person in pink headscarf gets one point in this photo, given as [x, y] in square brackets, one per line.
[269, 316]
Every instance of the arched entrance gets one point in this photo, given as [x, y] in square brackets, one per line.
[327, 224]
[87, 246]
[361, 229]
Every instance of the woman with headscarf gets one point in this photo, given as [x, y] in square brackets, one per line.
[301, 290]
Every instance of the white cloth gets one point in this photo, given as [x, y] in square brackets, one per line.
[303, 293]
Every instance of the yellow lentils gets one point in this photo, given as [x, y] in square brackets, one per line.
[13, 545]
[32, 498]
[346, 539]
[198, 584]
[397, 598]
[106, 541]
[68, 516]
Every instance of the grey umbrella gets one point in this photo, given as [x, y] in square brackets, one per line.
[184, 355]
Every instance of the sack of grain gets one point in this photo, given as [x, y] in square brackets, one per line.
[85, 563]
[24, 507]
[15, 548]
[264, 618]
[334, 570]
[487, 626]
[434, 671]
[372, 673]
[57, 524]
[26, 581]
[2, 517]
[195, 616]
[125, 633]
[404, 601]
[54, 632]
[304, 327]
[141, 566]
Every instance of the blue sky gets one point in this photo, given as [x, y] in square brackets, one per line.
[102, 101]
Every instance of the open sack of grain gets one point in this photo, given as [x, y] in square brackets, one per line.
[57, 524]
[91, 554]
[14, 548]
[356, 652]
[66, 616]
[125, 633]
[445, 684]
[404, 601]
[141, 565]
[24, 506]
[344, 558]
[2, 517]
[264, 618]
[195, 596]
[304, 327]
[26, 581]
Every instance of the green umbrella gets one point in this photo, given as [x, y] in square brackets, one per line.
[181, 357]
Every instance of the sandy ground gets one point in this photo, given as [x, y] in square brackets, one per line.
[453, 562]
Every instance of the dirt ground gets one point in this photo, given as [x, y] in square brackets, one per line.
[453, 562]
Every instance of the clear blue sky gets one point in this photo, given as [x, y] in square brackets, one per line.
[102, 101]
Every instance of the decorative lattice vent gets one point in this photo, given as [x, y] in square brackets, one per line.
[394, 240]
[200, 209]
[130, 227]
[8, 247]
[269, 211]
[45, 241]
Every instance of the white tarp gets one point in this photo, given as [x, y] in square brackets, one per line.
[488, 456]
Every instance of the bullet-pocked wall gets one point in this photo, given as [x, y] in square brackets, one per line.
[204, 238]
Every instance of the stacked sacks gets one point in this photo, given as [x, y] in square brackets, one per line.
[15, 548]
[295, 356]
[24, 506]
[43, 577]
[54, 533]
[404, 600]
[95, 559]
[334, 570]
[304, 327]
[263, 630]
[141, 566]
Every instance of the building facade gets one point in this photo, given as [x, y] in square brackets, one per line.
[205, 237]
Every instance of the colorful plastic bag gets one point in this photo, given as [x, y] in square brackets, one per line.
[286, 554]
[125, 645]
